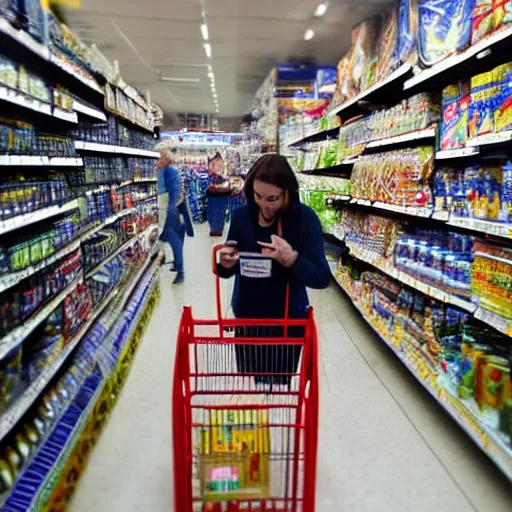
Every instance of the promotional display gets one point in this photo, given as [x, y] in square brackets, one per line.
[78, 230]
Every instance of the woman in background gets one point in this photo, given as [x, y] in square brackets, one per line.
[217, 194]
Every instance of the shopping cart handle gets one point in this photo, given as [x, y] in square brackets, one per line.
[216, 250]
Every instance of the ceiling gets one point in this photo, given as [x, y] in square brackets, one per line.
[162, 38]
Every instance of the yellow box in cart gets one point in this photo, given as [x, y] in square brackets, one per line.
[234, 455]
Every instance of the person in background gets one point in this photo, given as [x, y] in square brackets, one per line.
[289, 235]
[217, 194]
[173, 215]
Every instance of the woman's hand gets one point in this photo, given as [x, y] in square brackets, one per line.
[229, 257]
[280, 250]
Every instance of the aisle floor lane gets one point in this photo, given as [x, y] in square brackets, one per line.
[384, 443]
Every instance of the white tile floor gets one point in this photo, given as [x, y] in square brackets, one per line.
[385, 445]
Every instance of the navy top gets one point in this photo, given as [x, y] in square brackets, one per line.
[265, 297]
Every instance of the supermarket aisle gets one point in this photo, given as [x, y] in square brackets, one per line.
[385, 445]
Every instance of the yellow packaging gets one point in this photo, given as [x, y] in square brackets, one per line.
[235, 464]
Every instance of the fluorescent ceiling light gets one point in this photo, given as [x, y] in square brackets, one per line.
[211, 75]
[180, 80]
[208, 50]
[321, 9]
[204, 30]
[308, 35]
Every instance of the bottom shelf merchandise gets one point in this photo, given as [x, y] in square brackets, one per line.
[464, 364]
[34, 454]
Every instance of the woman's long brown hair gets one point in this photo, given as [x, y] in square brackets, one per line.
[274, 170]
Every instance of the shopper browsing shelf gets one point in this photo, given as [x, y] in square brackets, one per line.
[173, 215]
[286, 241]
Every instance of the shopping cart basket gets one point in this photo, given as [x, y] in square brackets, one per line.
[244, 440]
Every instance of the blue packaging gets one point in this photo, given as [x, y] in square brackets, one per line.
[444, 28]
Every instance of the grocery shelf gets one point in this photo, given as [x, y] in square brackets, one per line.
[14, 278]
[20, 99]
[121, 249]
[83, 108]
[426, 133]
[403, 277]
[399, 73]
[447, 70]
[25, 39]
[35, 161]
[93, 400]
[483, 226]
[107, 148]
[15, 412]
[65, 115]
[487, 440]
[68, 68]
[316, 137]
[490, 138]
[131, 121]
[10, 280]
[18, 334]
[446, 154]
[24, 220]
[501, 324]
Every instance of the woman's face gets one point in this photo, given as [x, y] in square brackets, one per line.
[216, 166]
[269, 198]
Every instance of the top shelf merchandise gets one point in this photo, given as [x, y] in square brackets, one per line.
[421, 45]
[78, 232]
[63, 59]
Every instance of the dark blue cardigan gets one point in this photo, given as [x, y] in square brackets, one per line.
[265, 298]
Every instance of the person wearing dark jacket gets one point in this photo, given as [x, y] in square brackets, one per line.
[288, 237]
[174, 217]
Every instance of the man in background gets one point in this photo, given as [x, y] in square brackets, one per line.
[173, 216]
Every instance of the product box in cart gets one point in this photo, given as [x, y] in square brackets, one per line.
[234, 455]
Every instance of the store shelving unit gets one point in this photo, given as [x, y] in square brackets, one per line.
[483, 426]
[462, 413]
[117, 302]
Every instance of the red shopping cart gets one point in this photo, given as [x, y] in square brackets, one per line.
[245, 435]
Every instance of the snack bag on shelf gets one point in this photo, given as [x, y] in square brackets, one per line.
[491, 374]
[344, 88]
[444, 28]
[454, 123]
[484, 192]
[407, 29]
[507, 192]
[484, 96]
[387, 45]
[503, 109]
[483, 20]
[502, 13]
[362, 49]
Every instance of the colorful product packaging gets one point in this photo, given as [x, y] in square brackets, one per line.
[387, 45]
[483, 20]
[503, 109]
[454, 123]
[444, 28]
[489, 16]
[484, 97]
[396, 177]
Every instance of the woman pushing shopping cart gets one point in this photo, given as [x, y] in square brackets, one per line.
[245, 399]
